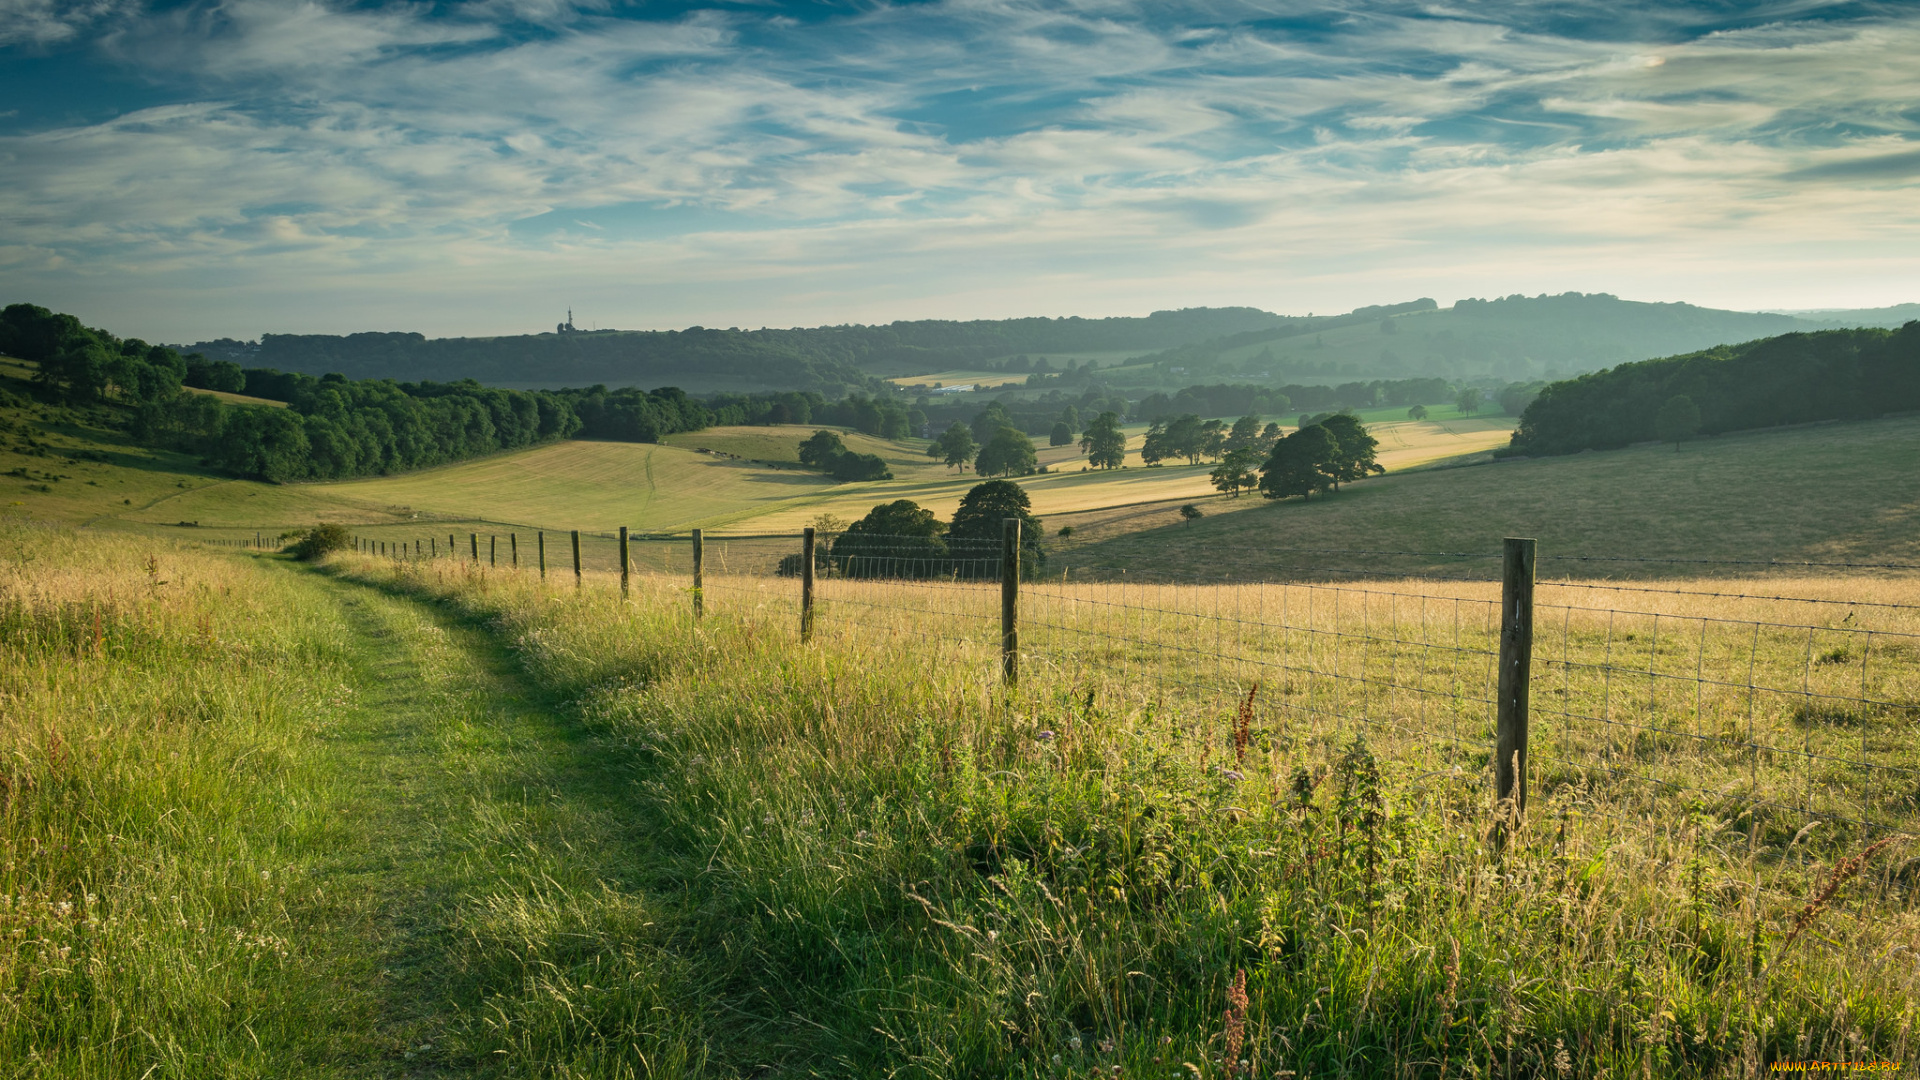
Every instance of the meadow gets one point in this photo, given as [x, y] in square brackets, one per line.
[404, 816]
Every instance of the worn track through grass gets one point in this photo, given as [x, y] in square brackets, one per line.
[467, 793]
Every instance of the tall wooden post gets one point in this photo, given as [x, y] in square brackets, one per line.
[493, 550]
[434, 546]
[625, 564]
[1010, 601]
[699, 582]
[576, 558]
[473, 541]
[806, 585]
[453, 549]
[1516, 672]
[540, 538]
[513, 543]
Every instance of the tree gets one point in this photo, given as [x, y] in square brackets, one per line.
[1155, 448]
[988, 421]
[1189, 512]
[978, 524]
[1418, 412]
[1245, 434]
[1268, 436]
[1236, 471]
[955, 446]
[1104, 443]
[1061, 435]
[1468, 400]
[896, 539]
[853, 468]
[1070, 416]
[1354, 449]
[1677, 421]
[1210, 441]
[1008, 453]
[821, 448]
[1300, 464]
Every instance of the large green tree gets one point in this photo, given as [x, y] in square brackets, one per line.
[975, 537]
[1104, 443]
[821, 448]
[1236, 471]
[1354, 449]
[1008, 453]
[896, 539]
[1301, 464]
[955, 446]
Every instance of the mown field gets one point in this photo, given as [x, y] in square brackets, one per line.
[409, 818]
[1824, 493]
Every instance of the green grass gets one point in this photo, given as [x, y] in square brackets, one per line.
[1826, 493]
[263, 824]
[423, 818]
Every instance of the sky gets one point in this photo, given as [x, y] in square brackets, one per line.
[184, 171]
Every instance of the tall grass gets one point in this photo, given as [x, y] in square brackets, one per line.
[893, 866]
[154, 703]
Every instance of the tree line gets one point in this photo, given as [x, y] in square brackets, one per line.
[828, 359]
[902, 539]
[1790, 379]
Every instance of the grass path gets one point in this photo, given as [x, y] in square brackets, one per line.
[477, 823]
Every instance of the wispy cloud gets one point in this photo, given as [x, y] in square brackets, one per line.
[965, 157]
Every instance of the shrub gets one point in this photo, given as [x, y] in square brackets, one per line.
[321, 539]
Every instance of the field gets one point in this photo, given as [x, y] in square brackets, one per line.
[406, 818]
[1820, 493]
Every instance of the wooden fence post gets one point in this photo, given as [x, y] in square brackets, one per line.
[540, 538]
[698, 580]
[576, 558]
[1010, 601]
[434, 546]
[493, 550]
[473, 541]
[806, 585]
[513, 543]
[453, 549]
[624, 564]
[1516, 672]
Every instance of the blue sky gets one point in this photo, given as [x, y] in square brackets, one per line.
[189, 170]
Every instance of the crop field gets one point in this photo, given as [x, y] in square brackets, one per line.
[407, 817]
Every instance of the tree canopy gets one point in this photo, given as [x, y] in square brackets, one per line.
[1301, 464]
[1791, 379]
[1008, 453]
[1103, 442]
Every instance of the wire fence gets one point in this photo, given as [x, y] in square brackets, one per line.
[1779, 704]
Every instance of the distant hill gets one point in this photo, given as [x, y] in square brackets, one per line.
[1514, 338]
[1889, 317]
[828, 359]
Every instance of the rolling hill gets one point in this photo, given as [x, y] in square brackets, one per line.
[1512, 338]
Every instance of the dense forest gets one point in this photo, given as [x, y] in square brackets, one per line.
[1791, 379]
[331, 426]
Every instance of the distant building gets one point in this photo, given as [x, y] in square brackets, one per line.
[566, 327]
[960, 389]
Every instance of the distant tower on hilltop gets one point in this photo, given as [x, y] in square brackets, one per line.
[566, 327]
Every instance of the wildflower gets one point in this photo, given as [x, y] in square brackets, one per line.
[1233, 775]
[1106, 1046]
[1075, 1043]
[1043, 736]
[1056, 1061]
[768, 820]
